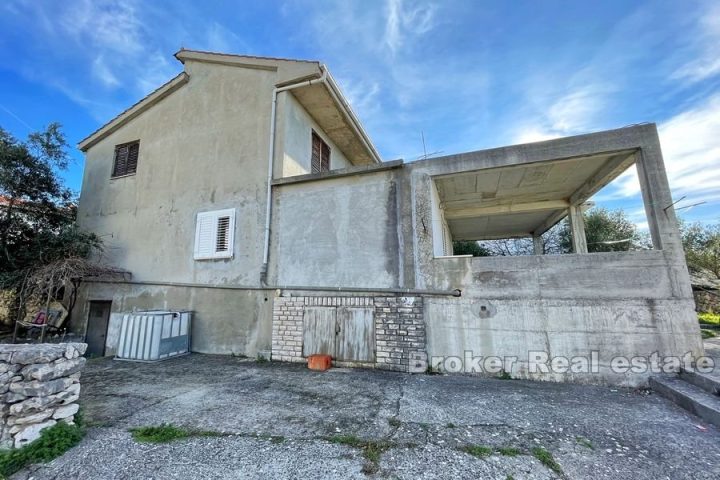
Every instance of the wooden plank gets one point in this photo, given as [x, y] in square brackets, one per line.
[356, 334]
[319, 330]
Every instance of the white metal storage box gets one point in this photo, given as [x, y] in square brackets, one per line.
[154, 335]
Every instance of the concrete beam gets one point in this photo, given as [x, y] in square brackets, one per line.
[479, 211]
[606, 174]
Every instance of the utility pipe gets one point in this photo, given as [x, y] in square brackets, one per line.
[405, 291]
[271, 161]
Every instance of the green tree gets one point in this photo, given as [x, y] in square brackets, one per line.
[702, 247]
[605, 231]
[37, 212]
[462, 247]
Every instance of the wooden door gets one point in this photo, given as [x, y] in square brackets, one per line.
[95, 336]
[355, 334]
[319, 324]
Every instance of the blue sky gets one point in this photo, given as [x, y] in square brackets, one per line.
[468, 74]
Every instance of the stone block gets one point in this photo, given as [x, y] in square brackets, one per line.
[36, 388]
[66, 411]
[32, 418]
[31, 405]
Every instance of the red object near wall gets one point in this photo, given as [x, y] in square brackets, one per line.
[319, 362]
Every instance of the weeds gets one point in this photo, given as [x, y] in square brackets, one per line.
[371, 450]
[709, 318]
[509, 451]
[53, 442]
[706, 333]
[546, 459]
[167, 433]
[394, 422]
[585, 442]
[479, 451]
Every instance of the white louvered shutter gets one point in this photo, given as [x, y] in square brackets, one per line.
[214, 234]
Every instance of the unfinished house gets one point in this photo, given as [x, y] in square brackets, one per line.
[246, 191]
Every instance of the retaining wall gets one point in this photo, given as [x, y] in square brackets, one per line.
[40, 386]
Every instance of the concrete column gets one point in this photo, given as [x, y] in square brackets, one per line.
[538, 245]
[577, 227]
[658, 198]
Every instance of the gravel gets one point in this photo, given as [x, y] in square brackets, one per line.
[592, 431]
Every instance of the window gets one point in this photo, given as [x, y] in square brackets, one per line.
[126, 159]
[214, 234]
[320, 155]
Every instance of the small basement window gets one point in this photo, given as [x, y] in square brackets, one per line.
[320, 155]
[126, 159]
[214, 234]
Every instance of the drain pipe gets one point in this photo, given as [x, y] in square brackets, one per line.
[271, 160]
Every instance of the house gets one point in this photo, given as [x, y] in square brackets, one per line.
[246, 190]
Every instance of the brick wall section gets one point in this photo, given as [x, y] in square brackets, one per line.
[399, 327]
[399, 332]
[287, 329]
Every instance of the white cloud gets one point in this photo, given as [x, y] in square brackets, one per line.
[221, 39]
[101, 71]
[704, 49]
[405, 22]
[570, 114]
[690, 142]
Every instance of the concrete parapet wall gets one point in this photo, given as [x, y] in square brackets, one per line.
[40, 385]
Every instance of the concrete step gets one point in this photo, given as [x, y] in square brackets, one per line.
[690, 397]
[709, 383]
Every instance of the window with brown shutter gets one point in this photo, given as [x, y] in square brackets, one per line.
[320, 155]
[126, 159]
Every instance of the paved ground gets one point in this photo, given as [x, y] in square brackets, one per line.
[275, 420]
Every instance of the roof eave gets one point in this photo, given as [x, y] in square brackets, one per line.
[135, 110]
[344, 105]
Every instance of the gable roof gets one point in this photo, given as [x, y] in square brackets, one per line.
[350, 135]
[133, 111]
[232, 58]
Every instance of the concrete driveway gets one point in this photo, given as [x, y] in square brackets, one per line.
[283, 421]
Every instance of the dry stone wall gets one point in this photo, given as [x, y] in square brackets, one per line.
[39, 386]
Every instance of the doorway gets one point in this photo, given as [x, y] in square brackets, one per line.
[96, 333]
[345, 333]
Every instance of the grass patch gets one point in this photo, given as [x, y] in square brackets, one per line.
[705, 333]
[53, 442]
[585, 442]
[480, 451]
[394, 422]
[450, 425]
[509, 451]
[371, 450]
[547, 459]
[424, 427]
[709, 318]
[504, 376]
[167, 433]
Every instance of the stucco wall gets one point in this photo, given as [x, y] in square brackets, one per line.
[339, 232]
[297, 132]
[224, 321]
[202, 148]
